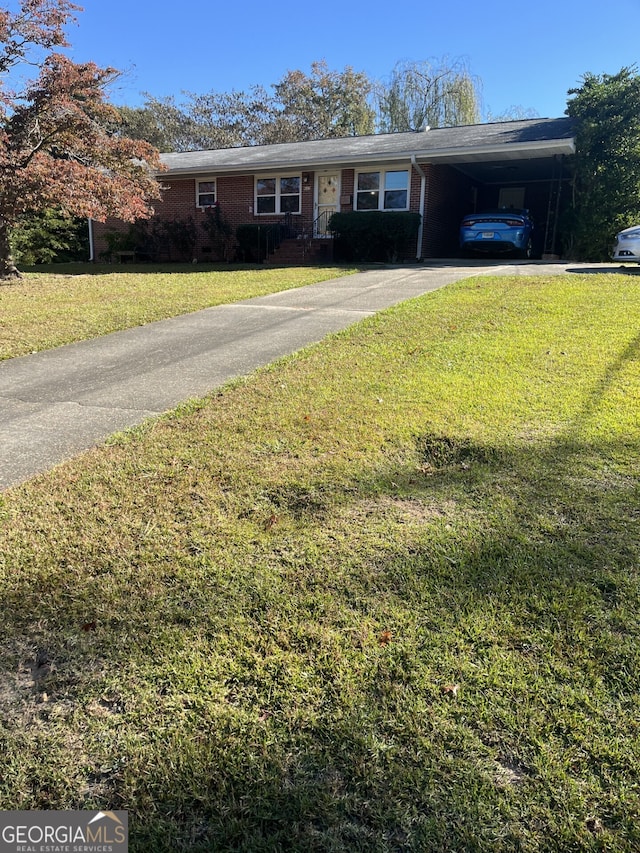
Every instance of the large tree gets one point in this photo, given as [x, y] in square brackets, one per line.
[319, 105]
[323, 104]
[162, 122]
[231, 119]
[606, 110]
[437, 93]
[58, 148]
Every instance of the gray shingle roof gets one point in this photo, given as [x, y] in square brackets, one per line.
[540, 137]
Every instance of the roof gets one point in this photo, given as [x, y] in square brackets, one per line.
[539, 138]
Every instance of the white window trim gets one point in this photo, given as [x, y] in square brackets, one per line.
[382, 170]
[209, 180]
[277, 211]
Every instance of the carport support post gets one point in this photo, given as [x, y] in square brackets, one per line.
[423, 186]
[553, 209]
[558, 194]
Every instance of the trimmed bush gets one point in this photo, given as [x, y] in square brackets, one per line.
[374, 235]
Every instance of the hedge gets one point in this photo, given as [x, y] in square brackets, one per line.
[375, 235]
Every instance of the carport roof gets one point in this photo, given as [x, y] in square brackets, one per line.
[529, 139]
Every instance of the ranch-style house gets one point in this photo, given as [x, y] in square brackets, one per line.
[442, 174]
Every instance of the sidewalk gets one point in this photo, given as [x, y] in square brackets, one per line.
[58, 403]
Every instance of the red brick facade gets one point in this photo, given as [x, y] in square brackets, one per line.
[448, 195]
[236, 200]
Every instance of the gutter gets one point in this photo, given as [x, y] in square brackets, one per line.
[91, 243]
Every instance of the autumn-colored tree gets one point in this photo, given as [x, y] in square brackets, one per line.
[58, 148]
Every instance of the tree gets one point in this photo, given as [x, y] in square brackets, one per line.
[515, 112]
[319, 105]
[606, 110]
[438, 93]
[161, 122]
[231, 119]
[57, 145]
[49, 237]
[322, 105]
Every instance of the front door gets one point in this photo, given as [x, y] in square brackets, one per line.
[327, 201]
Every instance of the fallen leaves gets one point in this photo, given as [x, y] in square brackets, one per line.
[450, 690]
[271, 522]
[385, 638]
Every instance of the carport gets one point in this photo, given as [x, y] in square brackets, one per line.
[442, 174]
[523, 164]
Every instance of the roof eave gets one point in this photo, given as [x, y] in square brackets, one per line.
[509, 151]
[512, 151]
[303, 164]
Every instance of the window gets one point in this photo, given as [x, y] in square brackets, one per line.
[382, 190]
[278, 195]
[205, 193]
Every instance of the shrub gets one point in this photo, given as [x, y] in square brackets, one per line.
[180, 236]
[50, 237]
[219, 231]
[256, 241]
[375, 235]
[156, 240]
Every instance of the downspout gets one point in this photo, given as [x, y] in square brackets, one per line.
[91, 246]
[423, 189]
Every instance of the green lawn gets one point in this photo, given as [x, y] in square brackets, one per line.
[381, 596]
[56, 305]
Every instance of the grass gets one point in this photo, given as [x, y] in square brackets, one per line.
[57, 305]
[380, 596]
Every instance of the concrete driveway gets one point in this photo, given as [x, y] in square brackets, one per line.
[58, 403]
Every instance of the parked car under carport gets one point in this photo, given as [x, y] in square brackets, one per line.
[496, 232]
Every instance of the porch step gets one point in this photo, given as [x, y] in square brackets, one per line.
[302, 252]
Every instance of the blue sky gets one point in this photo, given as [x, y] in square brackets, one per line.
[526, 54]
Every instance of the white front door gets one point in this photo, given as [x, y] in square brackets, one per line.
[327, 201]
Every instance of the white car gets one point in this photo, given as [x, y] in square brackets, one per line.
[627, 247]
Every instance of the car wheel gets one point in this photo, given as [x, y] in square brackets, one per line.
[526, 252]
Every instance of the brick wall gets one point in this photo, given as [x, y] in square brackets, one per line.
[347, 183]
[235, 197]
[449, 196]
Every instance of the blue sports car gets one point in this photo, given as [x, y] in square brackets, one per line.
[497, 232]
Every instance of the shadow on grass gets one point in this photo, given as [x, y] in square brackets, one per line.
[246, 759]
[78, 269]
[73, 269]
[457, 674]
[619, 269]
